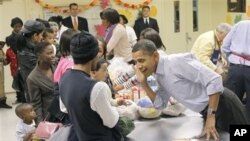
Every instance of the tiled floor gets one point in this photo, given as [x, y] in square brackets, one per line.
[8, 120]
[165, 129]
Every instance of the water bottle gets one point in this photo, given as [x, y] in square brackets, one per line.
[152, 83]
[136, 94]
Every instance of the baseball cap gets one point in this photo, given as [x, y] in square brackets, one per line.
[32, 26]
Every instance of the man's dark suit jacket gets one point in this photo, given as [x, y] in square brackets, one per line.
[140, 25]
[82, 23]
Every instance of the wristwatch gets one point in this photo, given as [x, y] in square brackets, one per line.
[211, 111]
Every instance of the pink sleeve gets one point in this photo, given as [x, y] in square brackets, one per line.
[63, 65]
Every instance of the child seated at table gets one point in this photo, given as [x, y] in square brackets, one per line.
[100, 73]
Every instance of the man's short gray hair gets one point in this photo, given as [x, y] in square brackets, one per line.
[223, 27]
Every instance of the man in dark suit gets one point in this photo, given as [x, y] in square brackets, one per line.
[145, 22]
[75, 22]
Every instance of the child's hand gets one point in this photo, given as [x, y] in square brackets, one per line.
[118, 88]
[120, 101]
[33, 131]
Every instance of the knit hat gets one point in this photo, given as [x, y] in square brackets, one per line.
[15, 21]
[84, 47]
[32, 26]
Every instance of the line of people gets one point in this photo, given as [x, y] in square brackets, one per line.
[58, 25]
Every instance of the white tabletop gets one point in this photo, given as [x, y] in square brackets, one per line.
[182, 128]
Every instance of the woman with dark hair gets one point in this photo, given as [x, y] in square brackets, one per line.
[130, 31]
[92, 115]
[152, 35]
[66, 61]
[57, 109]
[31, 34]
[40, 80]
[116, 35]
[61, 28]
[46, 23]
[57, 19]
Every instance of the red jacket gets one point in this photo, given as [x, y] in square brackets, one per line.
[11, 59]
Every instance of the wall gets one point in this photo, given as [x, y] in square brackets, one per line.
[220, 13]
[28, 9]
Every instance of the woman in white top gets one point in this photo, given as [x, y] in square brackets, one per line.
[116, 35]
[130, 31]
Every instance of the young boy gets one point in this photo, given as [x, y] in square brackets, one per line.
[24, 128]
[49, 36]
[100, 73]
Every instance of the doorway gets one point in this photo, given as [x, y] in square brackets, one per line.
[190, 18]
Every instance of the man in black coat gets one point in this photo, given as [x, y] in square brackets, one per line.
[75, 22]
[145, 22]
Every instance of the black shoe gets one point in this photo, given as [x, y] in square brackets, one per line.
[4, 105]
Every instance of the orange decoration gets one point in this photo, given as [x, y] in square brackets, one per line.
[90, 5]
[153, 11]
[126, 4]
[63, 11]
[133, 6]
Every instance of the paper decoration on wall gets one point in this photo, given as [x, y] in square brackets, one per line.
[153, 11]
[237, 18]
[229, 19]
[131, 5]
[104, 3]
[100, 30]
[57, 9]
[126, 13]
[248, 11]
